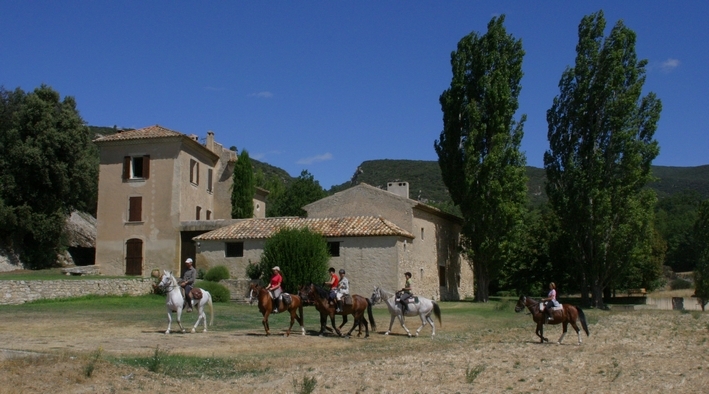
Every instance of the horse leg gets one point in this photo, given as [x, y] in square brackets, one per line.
[169, 321]
[391, 323]
[423, 323]
[292, 319]
[200, 313]
[563, 333]
[265, 321]
[300, 319]
[540, 332]
[179, 319]
[578, 331]
[401, 320]
[433, 327]
[334, 324]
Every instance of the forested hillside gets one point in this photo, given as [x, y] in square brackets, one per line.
[425, 181]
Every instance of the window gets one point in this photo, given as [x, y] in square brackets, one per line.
[422, 234]
[198, 211]
[209, 214]
[209, 180]
[194, 172]
[135, 209]
[136, 167]
[442, 275]
[334, 248]
[234, 249]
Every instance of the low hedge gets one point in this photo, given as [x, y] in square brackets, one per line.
[218, 291]
[215, 274]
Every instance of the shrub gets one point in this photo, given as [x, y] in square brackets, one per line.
[301, 254]
[200, 273]
[253, 271]
[680, 284]
[215, 274]
[219, 292]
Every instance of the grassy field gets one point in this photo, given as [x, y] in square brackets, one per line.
[117, 344]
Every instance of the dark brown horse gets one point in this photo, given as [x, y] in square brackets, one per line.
[568, 315]
[265, 306]
[360, 304]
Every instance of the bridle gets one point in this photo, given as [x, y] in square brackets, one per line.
[167, 286]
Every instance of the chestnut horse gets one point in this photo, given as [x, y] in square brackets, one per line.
[265, 306]
[568, 315]
[319, 295]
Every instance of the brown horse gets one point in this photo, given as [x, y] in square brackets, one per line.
[568, 315]
[318, 296]
[265, 306]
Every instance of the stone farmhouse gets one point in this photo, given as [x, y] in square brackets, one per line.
[375, 235]
[159, 188]
[165, 196]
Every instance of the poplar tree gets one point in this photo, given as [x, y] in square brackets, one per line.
[243, 188]
[601, 148]
[479, 148]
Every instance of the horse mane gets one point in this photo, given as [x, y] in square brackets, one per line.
[321, 291]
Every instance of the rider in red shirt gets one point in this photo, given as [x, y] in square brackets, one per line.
[275, 287]
[333, 282]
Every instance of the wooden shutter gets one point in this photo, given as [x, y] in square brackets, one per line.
[126, 167]
[146, 166]
[192, 163]
[134, 257]
[196, 167]
[209, 180]
[135, 209]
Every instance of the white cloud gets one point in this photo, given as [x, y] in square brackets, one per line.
[264, 94]
[315, 159]
[669, 65]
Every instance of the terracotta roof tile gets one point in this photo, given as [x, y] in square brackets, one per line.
[359, 226]
[155, 131]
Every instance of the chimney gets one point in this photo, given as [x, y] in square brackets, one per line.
[194, 137]
[210, 140]
[399, 188]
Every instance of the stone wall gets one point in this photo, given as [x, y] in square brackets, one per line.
[13, 292]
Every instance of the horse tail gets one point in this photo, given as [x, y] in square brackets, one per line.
[211, 310]
[582, 317]
[371, 316]
[437, 312]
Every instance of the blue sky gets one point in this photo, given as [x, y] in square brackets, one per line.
[324, 86]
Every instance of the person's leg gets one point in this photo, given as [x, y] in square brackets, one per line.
[188, 298]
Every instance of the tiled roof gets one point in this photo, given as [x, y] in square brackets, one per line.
[359, 226]
[156, 131]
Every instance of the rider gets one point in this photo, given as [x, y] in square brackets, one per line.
[187, 281]
[275, 287]
[343, 287]
[551, 301]
[406, 292]
[333, 282]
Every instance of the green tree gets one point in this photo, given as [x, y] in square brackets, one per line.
[601, 148]
[478, 150]
[243, 188]
[48, 167]
[701, 271]
[301, 254]
[299, 193]
[675, 217]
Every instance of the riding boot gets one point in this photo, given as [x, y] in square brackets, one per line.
[275, 305]
[339, 306]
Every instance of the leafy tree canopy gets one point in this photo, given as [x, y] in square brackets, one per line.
[243, 188]
[48, 167]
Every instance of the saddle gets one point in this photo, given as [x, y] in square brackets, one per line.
[286, 298]
[196, 294]
[347, 299]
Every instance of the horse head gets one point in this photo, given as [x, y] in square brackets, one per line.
[376, 295]
[166, 280]
[521, 304]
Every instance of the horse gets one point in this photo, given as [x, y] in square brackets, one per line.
[265, 306]
[175, 302]
[569, 315]
[319, 297]
[423, 309]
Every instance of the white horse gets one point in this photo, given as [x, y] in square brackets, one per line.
[175, 301]
[423, 309]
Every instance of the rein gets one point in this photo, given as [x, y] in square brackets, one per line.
[170, 286]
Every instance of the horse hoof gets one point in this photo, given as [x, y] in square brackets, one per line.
[386, 333]
[205, 330]
[193, 331]
[167, 332]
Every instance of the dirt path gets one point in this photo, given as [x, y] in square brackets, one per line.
[629, 352]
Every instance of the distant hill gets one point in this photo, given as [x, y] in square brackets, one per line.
[426, 184]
